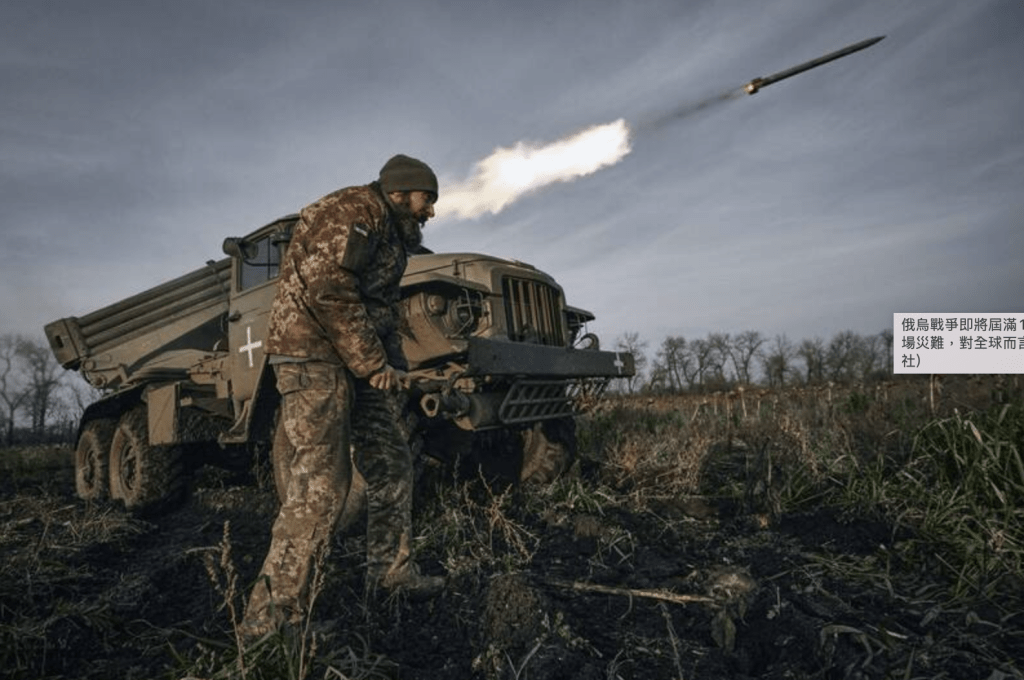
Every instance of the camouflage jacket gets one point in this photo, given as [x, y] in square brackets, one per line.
[338, 292]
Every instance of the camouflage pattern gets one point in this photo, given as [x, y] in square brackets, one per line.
[314, 467]
[334, 322]
[382, 456]
[338, 292]
[319, 401]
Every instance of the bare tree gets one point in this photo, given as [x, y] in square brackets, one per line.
[689, 366]
[813, 354]
[871, 357]
[72, 398]
[886, 336]
[657, 378]
[44, 374]
[631, 343]
[676, 362]
[82, 394]
[701, 351]
[691, 360]
[843, 356]
[744, 347]
[14, 389]
[718, 357]
[777, 361]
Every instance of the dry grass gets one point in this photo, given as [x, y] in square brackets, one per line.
[938, 462]
[31, 460]
[941, 458]
[291, 652]
[43, 539]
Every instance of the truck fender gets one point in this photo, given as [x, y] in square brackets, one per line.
[110, 406]
[255, 422]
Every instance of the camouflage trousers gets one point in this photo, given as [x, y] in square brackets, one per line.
[324, 410]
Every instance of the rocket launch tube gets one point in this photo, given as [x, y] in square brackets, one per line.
[757, 83]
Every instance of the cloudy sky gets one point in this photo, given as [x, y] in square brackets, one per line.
[135, 135]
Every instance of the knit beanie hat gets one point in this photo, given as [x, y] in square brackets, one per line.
[402, 173]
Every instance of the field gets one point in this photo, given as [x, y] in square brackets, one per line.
[834, 532]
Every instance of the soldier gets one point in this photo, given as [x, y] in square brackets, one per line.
[333, 342]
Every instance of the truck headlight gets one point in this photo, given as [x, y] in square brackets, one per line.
[437, 304]
[464, 312]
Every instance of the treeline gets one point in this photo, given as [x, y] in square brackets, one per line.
[723, 360]
[40, 402]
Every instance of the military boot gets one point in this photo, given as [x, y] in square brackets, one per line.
[410, 582]
[265, 616]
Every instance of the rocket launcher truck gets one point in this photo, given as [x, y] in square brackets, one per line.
[499, 365]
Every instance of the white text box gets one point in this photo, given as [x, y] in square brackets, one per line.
[947, 342]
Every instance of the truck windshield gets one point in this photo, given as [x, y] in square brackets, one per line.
[261, 268]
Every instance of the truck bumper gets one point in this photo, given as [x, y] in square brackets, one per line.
[542, 383]
[524, 402]
[493, 357]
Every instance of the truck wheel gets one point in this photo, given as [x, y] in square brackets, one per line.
[147, 479]
[549, 448]
[92, 460]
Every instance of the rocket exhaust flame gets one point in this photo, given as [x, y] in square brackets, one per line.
[511, 172]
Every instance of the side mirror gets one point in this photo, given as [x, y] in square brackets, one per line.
[239, 247]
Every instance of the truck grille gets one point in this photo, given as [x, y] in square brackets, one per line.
[531, 400]
[533, 312]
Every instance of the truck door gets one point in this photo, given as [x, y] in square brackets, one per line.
[255, 279]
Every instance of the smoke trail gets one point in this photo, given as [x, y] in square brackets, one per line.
[509, 173]
[691, 108]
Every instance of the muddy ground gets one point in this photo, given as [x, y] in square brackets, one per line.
[688, 588]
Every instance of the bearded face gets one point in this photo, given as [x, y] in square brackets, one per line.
[411, 232]
[412, 209]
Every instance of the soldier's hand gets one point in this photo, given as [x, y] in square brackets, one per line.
[388, 378]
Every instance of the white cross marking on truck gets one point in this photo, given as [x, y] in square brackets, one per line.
[254, 345]
[618, 363]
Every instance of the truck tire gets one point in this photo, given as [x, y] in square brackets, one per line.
[92, 460]
[549, 448]
[148, 479]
